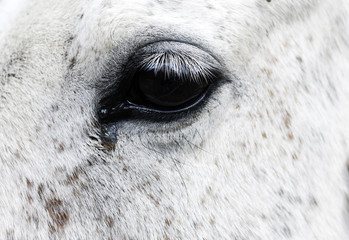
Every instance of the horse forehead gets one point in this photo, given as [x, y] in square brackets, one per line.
[221, 25]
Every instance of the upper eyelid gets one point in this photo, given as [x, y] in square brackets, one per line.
[120, 67]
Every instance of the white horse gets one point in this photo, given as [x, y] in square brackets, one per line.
[155, 119]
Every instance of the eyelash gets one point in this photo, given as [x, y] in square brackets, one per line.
[179, 65]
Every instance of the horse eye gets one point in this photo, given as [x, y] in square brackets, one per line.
[163, 81]
[166, 91]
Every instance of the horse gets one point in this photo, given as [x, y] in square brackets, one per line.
[155, 119]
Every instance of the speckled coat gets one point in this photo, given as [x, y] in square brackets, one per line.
[265, 158]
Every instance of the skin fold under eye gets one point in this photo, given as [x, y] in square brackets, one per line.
[164, 79]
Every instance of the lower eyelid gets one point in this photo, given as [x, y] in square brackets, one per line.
[130, 111]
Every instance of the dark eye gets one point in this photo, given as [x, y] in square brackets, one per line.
[164, 82]
[166, 90]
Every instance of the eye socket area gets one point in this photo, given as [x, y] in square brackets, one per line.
[166, 80]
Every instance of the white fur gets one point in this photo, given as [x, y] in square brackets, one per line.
[9, 10]
[265, 159]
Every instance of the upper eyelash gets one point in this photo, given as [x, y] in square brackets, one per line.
[180, 65]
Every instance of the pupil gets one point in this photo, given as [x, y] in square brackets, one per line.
[164, 90]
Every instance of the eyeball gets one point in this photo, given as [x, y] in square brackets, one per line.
[161, 89]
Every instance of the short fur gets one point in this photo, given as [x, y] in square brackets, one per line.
[267, 157]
